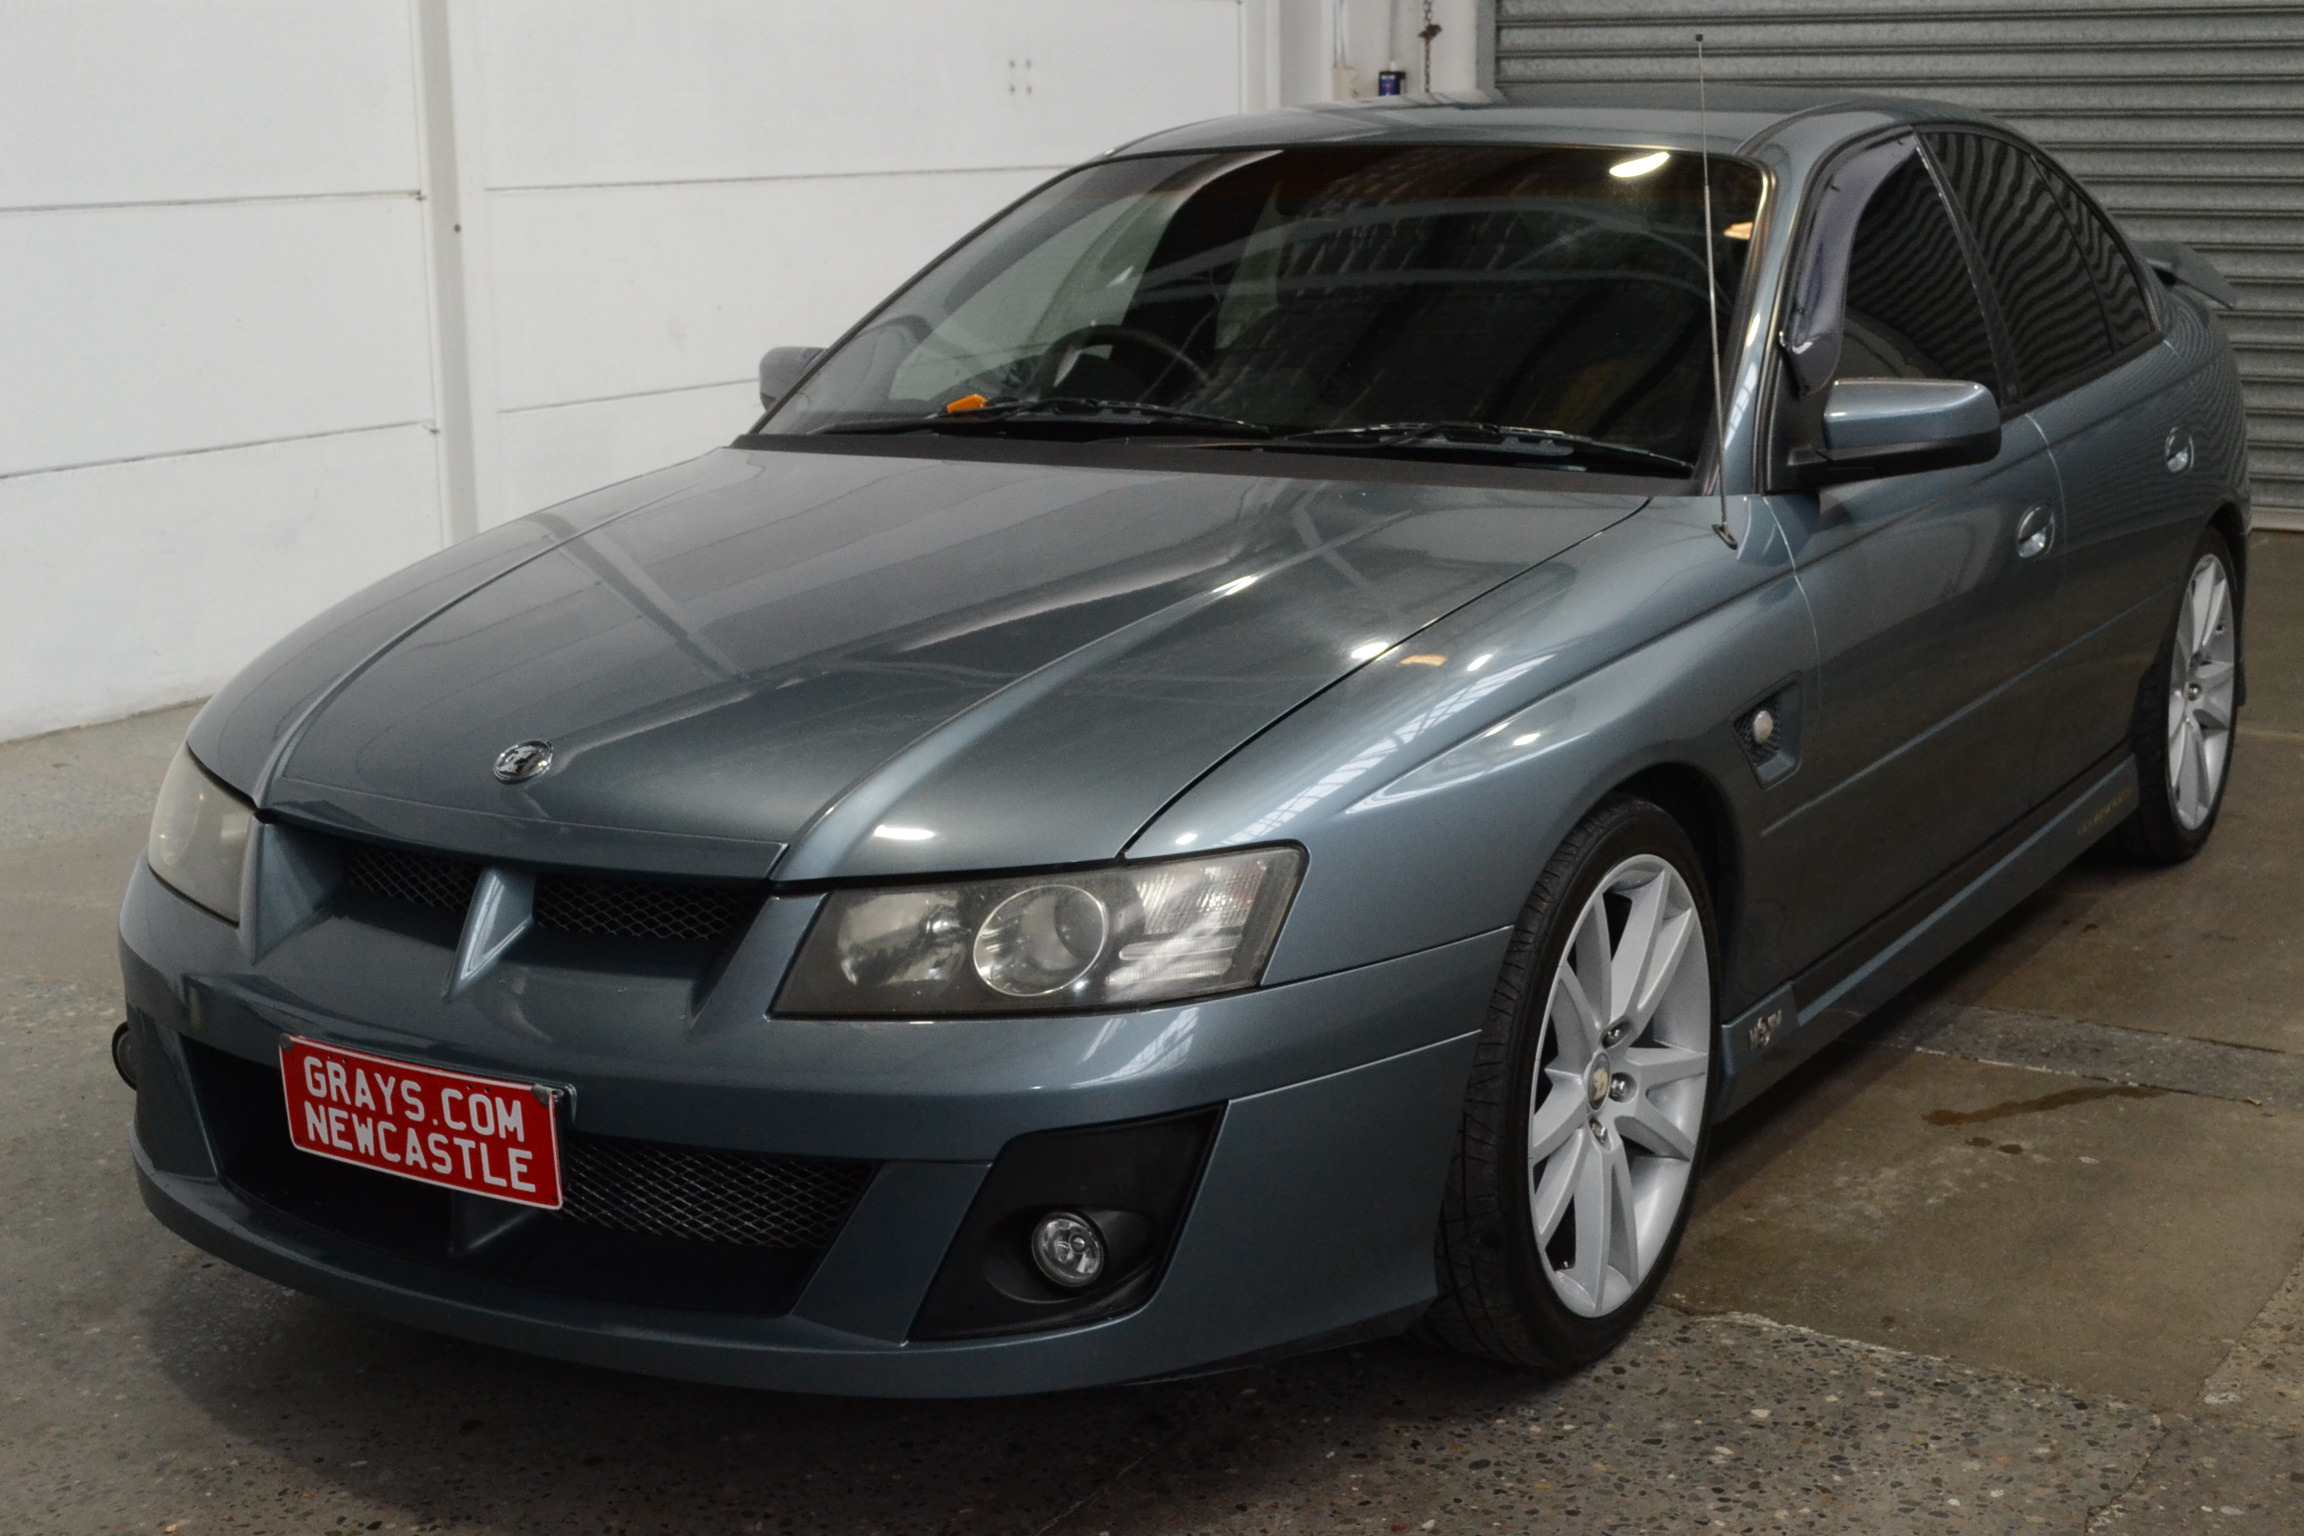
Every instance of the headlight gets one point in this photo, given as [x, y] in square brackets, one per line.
[199, 837]
[1121, 936]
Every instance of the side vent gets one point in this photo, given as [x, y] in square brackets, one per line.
[1769, 733]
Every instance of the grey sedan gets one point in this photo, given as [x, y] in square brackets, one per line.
[1253, 760]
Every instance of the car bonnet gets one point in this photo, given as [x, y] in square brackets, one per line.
[865, 664]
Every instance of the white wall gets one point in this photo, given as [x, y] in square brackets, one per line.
[215, 358]
[297, 292]
[664, 201]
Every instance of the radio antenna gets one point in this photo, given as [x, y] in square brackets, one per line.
[1712, 302]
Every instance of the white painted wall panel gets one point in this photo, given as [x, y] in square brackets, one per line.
[138, 585]
[106, 101]
[600, 90]
[138, 331]
[678, 187]
[565, 450]
[614, 291]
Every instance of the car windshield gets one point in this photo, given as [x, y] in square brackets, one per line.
[1379, 296]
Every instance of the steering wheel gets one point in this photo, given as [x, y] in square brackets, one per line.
[1067, 348]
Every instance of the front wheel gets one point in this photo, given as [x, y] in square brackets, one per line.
[1590, 1100]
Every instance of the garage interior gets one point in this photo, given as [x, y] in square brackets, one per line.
[2024, 1254]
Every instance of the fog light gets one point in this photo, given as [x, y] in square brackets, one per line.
[1068, 1250]
[124, 1053]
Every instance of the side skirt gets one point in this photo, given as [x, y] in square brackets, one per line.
[1795, 1021]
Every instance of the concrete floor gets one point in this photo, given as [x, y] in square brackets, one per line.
[2024, 1257]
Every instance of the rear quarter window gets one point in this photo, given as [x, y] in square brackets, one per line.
[2127, 312]
[2048, 296]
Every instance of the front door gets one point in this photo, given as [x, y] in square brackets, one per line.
[1933, 597]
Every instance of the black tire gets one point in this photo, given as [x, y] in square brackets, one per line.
[1496, 1299]
[2155, 833]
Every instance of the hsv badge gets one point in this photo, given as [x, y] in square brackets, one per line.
[523, 761]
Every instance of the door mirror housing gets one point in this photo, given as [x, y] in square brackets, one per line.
[1869, 428]
[780, 369]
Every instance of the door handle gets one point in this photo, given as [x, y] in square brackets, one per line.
[2035, 531]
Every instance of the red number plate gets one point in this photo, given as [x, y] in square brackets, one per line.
[481, 1135]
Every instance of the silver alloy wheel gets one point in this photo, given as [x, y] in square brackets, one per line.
[1616, 1108]
[2201, 676]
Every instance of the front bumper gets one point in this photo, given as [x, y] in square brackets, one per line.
[1313, 1216]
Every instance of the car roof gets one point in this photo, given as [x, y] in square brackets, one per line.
[1654, 116]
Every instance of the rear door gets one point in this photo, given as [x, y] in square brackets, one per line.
[1930, 609]
[2091, 370]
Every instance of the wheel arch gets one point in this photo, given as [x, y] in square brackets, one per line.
[1692, 798]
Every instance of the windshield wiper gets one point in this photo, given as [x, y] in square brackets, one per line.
[1538, 444]
[1065, 410]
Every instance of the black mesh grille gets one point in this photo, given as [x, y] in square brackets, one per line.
[421, 879]
[744, 1198]
[589, 905]
[634, 909]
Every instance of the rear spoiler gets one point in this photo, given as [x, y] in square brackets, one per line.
[2177, 263]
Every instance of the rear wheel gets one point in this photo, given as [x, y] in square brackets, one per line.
[2184, 717]
[1587, 1114]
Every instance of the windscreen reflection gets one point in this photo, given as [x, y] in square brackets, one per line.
[1555, 289]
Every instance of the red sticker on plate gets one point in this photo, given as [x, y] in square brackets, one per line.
[481, 1135]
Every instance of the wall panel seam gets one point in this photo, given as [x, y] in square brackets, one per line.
[254, 200]
[630, 394]
[194, 453]
[740, 181]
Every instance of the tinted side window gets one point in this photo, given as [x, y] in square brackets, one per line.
[2126, 310]
[1912, 306]
[2047, 297]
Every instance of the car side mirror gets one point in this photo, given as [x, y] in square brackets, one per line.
[780, 369]
[1869, 428]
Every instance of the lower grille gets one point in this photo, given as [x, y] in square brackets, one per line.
[642, 1222]
[706, 1196]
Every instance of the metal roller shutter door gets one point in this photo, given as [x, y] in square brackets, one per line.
[2187, 120]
